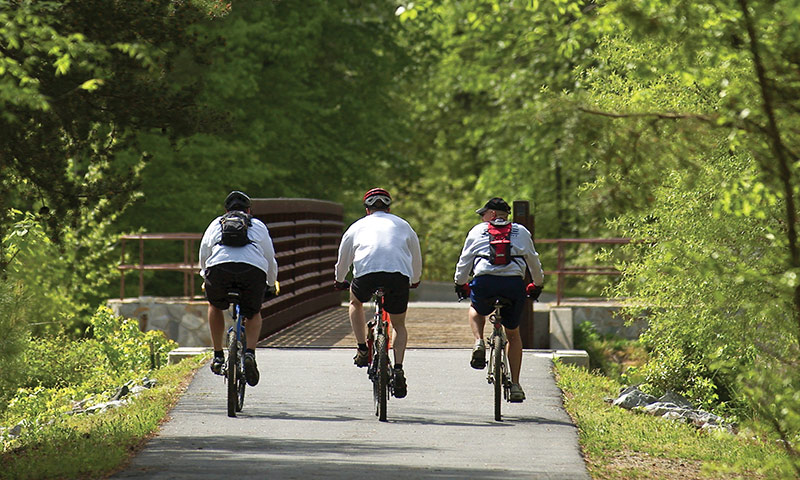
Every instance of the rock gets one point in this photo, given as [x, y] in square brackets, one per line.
[121, 392]
[660, 408]
[632, 397]
[149, 383]
[677, 399]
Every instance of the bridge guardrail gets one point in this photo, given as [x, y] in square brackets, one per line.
[305, 233]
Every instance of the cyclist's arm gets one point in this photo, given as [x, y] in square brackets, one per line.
[466, 260]
[345, 257]
[416, 257]
[205, 246]
[269, 253]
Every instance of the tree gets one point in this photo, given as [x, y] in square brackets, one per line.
[306, 91]
[80, 80]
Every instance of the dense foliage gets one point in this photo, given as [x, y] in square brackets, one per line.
[53, 373]
[672, 122]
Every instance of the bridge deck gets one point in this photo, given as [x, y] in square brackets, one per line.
[428, 327]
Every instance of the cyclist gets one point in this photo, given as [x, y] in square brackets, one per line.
[384, 252]
[250, 268]
[493, 278]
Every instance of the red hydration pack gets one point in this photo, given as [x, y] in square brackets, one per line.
[500, 244]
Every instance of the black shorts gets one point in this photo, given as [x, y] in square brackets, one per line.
[484, 288]
[249, 280]
[395, 290]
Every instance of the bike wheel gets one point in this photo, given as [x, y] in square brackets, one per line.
[233, 374]
[240, 377]
[381, 384]
[497, 365]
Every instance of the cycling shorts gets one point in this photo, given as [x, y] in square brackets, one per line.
[486, 287]
[251, 282]
[395, 290]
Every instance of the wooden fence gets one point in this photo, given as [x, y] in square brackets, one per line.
[306, 235]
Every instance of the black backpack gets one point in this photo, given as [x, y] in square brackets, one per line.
[234, 228]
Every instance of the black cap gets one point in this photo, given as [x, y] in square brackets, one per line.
[237, 200]
[496, 203]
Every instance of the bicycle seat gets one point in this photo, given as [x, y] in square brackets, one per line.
[501, 301]
[233, 296]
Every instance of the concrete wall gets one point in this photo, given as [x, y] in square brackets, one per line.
[182, 321]
[185, 322]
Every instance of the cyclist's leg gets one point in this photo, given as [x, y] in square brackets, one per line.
[482, 289]
[400, 339]
[361, 289]
[252, 329]
[396, 305]
[514, 353]
[216, 290]
[216, 326]
[356, 312]
[477, 323]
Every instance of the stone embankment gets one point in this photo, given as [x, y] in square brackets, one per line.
[122, 396]
[670, 406]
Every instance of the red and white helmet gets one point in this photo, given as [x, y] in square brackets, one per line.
[377, 197]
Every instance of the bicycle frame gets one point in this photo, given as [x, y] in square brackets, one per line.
[380, 367]
[234, 367]
[498, 359]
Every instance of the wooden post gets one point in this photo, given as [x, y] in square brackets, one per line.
[521, 209]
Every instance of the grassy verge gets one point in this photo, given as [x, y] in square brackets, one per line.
[93, 446]
[619, 444]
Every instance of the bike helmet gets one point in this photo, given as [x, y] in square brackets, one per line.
[377, 198]
[237, 200]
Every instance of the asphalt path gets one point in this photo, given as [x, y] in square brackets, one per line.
[312, 416]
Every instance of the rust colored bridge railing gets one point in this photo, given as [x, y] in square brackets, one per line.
[306, 235]
[562, 270]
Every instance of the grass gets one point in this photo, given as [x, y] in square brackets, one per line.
[94, 446]
[619, 444]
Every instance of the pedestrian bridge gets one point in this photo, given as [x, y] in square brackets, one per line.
[306, 235]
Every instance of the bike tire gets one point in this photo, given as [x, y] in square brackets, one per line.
[497, 363]
[233, 374]
[241, 382]
[382, 381]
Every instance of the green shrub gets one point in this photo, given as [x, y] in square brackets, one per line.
[13, 340]
[124, 345]
[65, 278]
[59, 371]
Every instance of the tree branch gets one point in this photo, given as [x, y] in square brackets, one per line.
[778, 149]
[661, 116]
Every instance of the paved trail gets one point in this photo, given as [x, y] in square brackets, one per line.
[312, 416]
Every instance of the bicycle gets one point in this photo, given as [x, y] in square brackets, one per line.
[233, 371]
[498, 373]
[379, 369]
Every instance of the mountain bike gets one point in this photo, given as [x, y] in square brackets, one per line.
[498, 373]
[234, 367]
[379, 369]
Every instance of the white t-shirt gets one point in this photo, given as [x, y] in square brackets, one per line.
[476, 247]
[380, 242]
[259, 252]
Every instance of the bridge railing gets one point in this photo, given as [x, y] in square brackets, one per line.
[305, 233]
[562, 270]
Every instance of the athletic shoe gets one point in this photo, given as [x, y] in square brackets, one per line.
[250, 369]
[478, 360]
[217, 363]
[400, 388]
[516, 395]
[362, 358]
